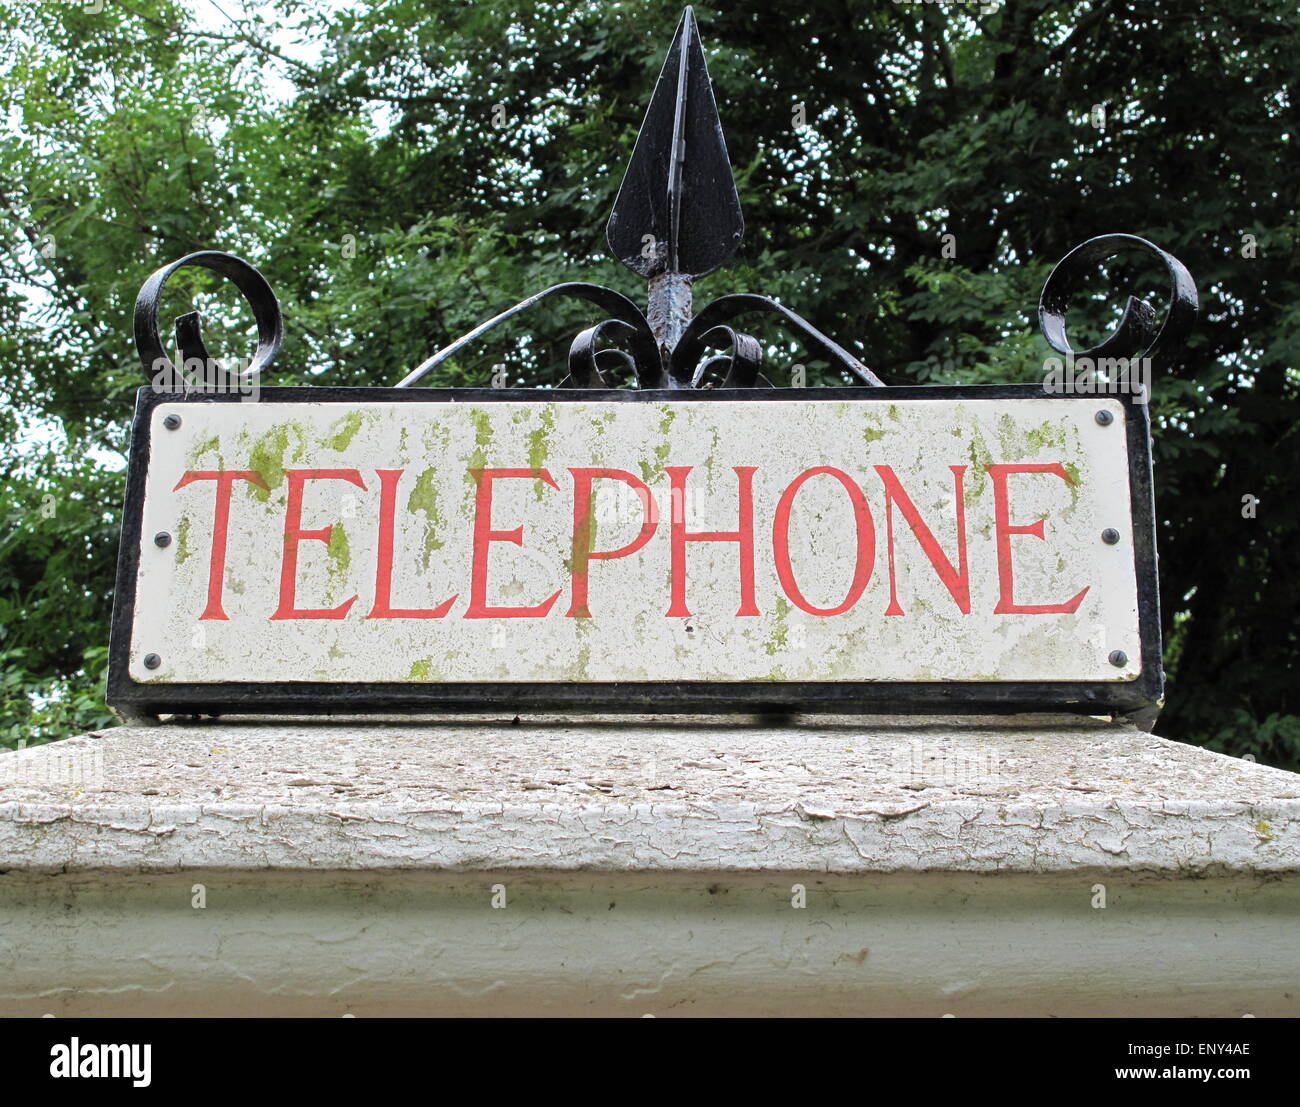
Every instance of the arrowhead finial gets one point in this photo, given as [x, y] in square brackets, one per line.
[677, 214]
[676, 218]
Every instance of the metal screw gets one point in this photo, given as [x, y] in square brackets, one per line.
[1105, 418]
[152, 660]
[1110, 536]
[172, 422]
[1118, 658]
[162, 539]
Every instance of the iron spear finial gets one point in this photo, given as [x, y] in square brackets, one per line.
[677, 213]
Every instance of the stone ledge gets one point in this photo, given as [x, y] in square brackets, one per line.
[842, 796]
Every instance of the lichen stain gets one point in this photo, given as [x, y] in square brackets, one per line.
[210, 445]
[715, 443]
[1045, 436]
[979, 456]
[344, 430]
[776, 641]
[269, 454]
[539, 445]
[424, 670]
[339, 551]
[576, 564]
[182, 540]
[1072, 471]
[583, 660]
[436, 437]
[1010, 439]
[482, 441]
[654, 470]
[424, 499]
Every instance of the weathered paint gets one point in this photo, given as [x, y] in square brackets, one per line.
[628, 635]
[899, 866]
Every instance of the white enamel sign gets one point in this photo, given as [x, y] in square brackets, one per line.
[546, 542]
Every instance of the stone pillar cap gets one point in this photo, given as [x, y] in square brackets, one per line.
[635, 794]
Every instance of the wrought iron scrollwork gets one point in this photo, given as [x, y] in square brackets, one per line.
[676, 218]
[689, 365]
[586, 362]
[199, 369]
[591, 366]
[685, 365]
[1136, 335]
[740, 368]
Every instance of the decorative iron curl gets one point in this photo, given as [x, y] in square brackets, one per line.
[684, 365]
[589, 363]
[740, 368]
[1136, 334]
[585, 361]
[148, 343]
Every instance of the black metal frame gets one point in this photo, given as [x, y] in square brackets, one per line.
[669, 697]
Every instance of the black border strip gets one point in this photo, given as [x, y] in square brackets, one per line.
[306, 698]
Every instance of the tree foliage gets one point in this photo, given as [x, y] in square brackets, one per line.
[402, 170]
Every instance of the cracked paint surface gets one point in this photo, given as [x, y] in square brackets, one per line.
[1023, 794]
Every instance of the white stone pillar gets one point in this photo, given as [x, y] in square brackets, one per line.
[1029, 865]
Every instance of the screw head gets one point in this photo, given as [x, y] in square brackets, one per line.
[1118, 658]
[1110, 536]
[172, 422]
[152, 661]
[1105, 418]
[162, 539]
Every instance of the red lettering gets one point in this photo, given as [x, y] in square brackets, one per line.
[866, 532]
[1001, 515]
[484, 535]
[957, 581]
[384, 609]
[743, 536]
[225, 481]
[293, 534]
[583, 528]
